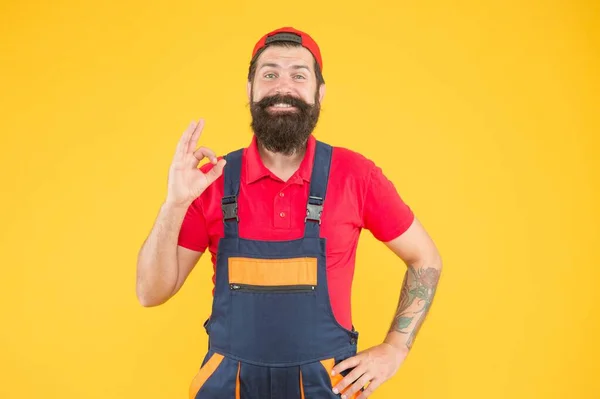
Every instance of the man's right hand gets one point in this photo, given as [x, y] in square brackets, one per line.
[186, 181]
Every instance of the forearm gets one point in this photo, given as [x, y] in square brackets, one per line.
[416, 296]
[157, 268]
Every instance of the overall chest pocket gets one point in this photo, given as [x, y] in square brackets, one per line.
[274, 308]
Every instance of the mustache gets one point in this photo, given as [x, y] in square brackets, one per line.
[283, 99]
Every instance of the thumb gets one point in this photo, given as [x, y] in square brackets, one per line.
[216, 171]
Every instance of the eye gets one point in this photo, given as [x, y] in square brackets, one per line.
[299, 77]
[269, 75]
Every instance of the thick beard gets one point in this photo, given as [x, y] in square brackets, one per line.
[284, 132]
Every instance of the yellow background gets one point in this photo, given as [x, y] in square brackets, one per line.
[484, 114]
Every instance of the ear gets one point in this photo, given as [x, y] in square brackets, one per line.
[321, 92]
[249, 91]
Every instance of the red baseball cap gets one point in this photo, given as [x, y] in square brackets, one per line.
[290, 34]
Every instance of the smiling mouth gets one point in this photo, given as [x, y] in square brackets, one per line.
[281, 107]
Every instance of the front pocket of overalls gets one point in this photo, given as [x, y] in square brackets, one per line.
[217, 378]
[274, 306]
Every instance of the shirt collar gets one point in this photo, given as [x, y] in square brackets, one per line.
[256, 169]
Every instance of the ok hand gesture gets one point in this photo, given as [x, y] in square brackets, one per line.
[186, 181]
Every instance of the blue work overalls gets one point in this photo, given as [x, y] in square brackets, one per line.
[272, 332]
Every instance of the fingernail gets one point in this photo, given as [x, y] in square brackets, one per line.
[335, 390]
[343, 396]
[332, 372]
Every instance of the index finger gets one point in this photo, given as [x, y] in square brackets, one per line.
[185, 138]
[345, 364]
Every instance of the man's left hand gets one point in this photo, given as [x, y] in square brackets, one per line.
[372, 366]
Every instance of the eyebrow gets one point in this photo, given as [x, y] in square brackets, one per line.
[272, 65]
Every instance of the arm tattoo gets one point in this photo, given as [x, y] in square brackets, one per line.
[416, 296]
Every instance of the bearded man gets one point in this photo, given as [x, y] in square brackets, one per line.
[281, 220]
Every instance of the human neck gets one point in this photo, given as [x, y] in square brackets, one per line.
[282, 166]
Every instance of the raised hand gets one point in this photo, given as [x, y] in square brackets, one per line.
[186, 181]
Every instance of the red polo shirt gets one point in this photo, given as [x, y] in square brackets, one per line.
[358, 196]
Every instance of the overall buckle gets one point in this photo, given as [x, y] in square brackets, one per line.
[314, 208]
[229, 207]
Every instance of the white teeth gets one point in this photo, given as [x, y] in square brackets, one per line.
[280, 105]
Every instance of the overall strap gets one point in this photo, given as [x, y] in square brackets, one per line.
[318, 189]
[229, 203]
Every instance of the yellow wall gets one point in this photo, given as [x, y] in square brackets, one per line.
[483, 113]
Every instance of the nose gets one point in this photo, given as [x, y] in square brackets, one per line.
[284, 86]
[283, 91]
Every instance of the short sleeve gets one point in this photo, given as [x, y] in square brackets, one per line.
[385, 214]
[193, 234]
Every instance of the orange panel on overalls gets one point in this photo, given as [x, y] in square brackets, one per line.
[272, 332]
